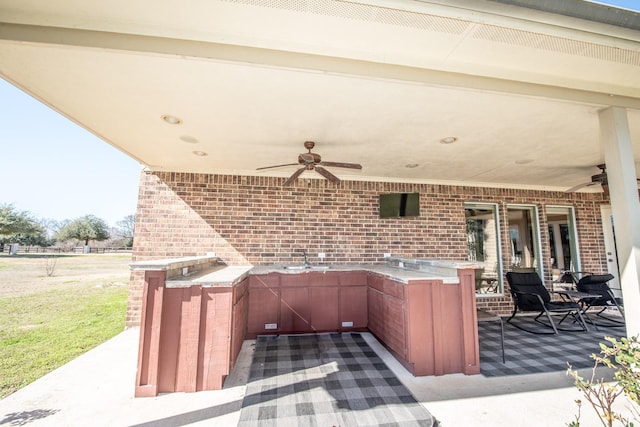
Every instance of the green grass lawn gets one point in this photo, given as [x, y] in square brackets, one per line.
[43, 330]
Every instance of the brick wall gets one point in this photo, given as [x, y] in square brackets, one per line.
[254, 220]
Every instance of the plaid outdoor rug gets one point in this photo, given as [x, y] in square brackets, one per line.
[325, 380]
[527, 353]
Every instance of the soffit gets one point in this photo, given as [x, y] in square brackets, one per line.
[377, 84]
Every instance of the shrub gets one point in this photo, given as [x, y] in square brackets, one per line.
[624, 357]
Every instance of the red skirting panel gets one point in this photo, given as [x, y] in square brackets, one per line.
[189, 337]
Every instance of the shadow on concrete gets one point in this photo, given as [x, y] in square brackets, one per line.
[25, 417]
[194, 416]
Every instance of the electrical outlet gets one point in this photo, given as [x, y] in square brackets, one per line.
[321, 255]
[387, 255]
[347, 324]
[271, 326]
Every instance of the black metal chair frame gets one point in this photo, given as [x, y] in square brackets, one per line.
[598, 284]
[544, 305]
[568, 276]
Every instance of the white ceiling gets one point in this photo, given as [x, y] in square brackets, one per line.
[375, 83]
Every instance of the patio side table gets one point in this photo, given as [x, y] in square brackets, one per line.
[576, 296]
[487, 316]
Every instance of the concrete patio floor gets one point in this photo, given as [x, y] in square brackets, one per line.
[97, 389]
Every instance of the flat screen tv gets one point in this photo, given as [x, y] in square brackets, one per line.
[399, 205]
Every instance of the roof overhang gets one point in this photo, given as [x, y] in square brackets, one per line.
[378, 83]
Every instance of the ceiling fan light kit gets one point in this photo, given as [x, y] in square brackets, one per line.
[312, 161]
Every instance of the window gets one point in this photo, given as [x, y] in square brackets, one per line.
[562, 240]
[524, 238]
[483, 245]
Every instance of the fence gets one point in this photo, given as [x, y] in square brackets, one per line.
[76, 249]
[80, 249]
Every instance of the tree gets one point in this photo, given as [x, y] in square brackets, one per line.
[50, 227]
[86, 228]
[37, 239]
[126, 228]
[16, 222]
[16, 226]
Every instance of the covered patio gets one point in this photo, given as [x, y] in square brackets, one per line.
[64, 397]
[491, 116]
[495, 107]
[527, 353]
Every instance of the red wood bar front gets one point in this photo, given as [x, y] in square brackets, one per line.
[428, 325]
[191, 336]
[307, 302]
[150, 325]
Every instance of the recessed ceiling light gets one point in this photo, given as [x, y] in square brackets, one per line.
[523, 161]
[172, 120]
[189, 139]
[411, 165]
[200, 153]
[448, 140]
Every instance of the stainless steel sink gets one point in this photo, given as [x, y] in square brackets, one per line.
[307, 267]
[296, 267]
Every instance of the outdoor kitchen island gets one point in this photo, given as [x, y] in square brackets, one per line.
[197, 312]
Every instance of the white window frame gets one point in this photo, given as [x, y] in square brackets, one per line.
[573, 230]
[495, 207]
[536, 233]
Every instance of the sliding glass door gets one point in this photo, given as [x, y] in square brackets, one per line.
[483, 245]
[524, 239]
[562, 240]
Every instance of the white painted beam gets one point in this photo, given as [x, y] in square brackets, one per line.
[307, 62]
[625, 205]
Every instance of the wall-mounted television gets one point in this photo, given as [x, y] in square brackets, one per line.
[399, 205]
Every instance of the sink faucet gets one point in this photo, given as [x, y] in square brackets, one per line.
[306, 258]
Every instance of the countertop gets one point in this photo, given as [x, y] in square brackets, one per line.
[221, 275]
[399, 274]
[208, 271]
[216, 276]
[173, 263]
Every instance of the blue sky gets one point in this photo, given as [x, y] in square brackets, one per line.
[627, 4]
[54, 169]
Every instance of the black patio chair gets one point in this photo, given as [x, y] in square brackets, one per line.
[572, 277]
[596, 284]
[530, 295]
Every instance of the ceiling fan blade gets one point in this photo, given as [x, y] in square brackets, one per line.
[331, 177]
[342, 165]
[579, 186]
[277, 166]
[293, 177]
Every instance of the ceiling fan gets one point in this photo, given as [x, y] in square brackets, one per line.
[600, 178]
[313, 161]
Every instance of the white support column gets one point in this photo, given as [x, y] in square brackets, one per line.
[618, 154]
